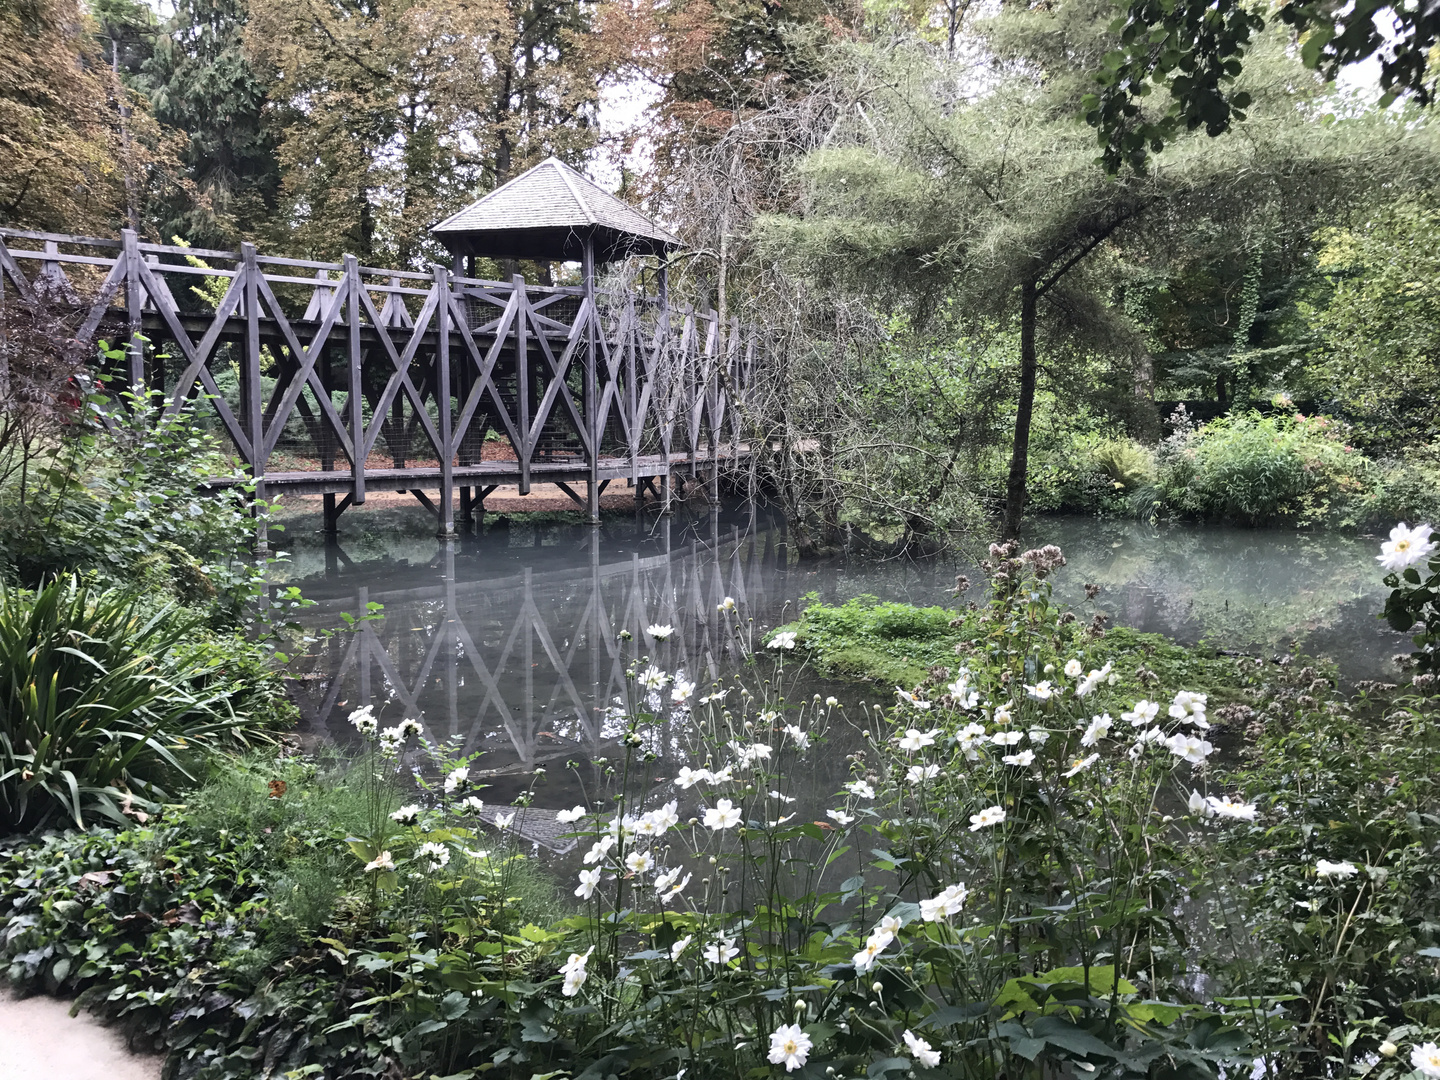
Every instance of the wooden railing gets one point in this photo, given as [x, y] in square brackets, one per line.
[570, 385]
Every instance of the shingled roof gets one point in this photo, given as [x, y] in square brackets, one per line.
[546, 213]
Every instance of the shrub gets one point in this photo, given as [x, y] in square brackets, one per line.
[122, 504]
[1262, 470]
[101, 703]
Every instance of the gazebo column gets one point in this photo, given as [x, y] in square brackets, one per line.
[592, 401]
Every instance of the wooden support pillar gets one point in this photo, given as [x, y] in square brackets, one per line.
[522, 380]
[135, 341]
[331, 526]
[442, 401]
[592, 399]
[251, 395]
[355, 400]
[466, 521]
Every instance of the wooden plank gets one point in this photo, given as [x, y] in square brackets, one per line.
[401, 378]
[522, 379]
[9, 269]
[557, 387]
[354, 399]
[485, 369]
[135, 347]
[308, 357]
[442, 380]
[60, 257]
[61, 238]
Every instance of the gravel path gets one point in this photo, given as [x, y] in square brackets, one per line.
[39, 1038]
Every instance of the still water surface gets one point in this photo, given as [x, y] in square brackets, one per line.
[510, 640]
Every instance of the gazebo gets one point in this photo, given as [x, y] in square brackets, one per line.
[552, 214]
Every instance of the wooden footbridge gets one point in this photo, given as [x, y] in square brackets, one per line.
[338, 379]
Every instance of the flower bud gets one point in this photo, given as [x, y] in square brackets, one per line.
[877, 987]
[1388, 1049]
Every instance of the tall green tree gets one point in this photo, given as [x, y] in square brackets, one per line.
[393, 113]
[200, 82]
[1377, 353]
[995, 198]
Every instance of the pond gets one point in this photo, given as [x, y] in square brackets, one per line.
[510, 640]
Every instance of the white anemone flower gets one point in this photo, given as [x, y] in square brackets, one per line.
[798, 736]
[840, 817]
[406, 815]
[918, 774]
[574, 972]
[575, 813]
[723, 815]
[964, 695]
[1098, 729]
[1002, 716]
[687, 777]
[639, 862]
[364, 720]
[667, 885]
[915, 739]
[1198, 806]
[945, 905]
[1079, 765]
[1024, 759]
[681, 690]
[1406, 547]
[789, 1046]
[1343, 869]
[382, 862]
[721, 951]
[1096, 676]
[599, 850]
[911, 700]
[1189, 748]
[1039, 736]
[652, 678]
[437, 854]
[589, 881]
[1143, 713]
[1041, 691]
[1231, 808]
[680, 946]
[1007, 738]
[865, 959]
[502, 821]
[990, 816]
[1426, 1059]
[921, 1051]
[861, 789]
[456, 779]
[660, 631]
[1073, 668]
[785, 639]
[1189, 708]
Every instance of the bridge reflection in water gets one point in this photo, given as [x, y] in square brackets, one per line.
[511, 641]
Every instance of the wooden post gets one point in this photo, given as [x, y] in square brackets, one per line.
[135, 348]
[251, 396]
[442, 394]
[522, 380]
[592, 401]
[355, 401]
[332, 519]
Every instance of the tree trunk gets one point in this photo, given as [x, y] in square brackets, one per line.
[1146, 425]
[1020, 453]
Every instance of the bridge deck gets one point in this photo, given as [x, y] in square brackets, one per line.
[484, 474]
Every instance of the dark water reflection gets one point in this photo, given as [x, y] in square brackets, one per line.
[509, 640]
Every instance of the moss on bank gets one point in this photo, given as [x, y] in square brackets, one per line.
[898, 645]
